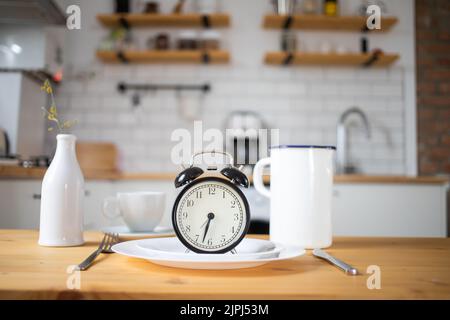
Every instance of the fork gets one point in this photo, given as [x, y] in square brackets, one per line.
[108, 241]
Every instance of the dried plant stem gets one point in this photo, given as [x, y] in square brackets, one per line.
[55, 119]
[52, 112]
[61, 129]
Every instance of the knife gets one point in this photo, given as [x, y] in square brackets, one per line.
[348, 269]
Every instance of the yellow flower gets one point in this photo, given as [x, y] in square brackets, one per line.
[53, 111]
[47, 87]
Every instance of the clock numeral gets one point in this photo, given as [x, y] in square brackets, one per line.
[236, 217]
[190, 203]
[223, 238]
[212, 191]
[233, 203]
[196, 237]
[198, 195]
[188, 228]
[223, 194]
[184, 214]
[232, 229]
[210, 242]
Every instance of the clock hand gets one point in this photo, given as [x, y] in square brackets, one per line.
[206, 230]
[210, 217]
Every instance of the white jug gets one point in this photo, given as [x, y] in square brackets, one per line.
[62, 197]
[301, 181]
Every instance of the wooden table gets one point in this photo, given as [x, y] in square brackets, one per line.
[410, 269]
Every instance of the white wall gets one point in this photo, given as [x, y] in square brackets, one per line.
[304, 102]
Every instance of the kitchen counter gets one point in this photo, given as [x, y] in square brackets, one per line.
[410, 269]
[12, 172]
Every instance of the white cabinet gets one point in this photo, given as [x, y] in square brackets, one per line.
[20, 201]
[359, 209]
[96, 191]
[398, 210]
[368, 209]
[19, 204]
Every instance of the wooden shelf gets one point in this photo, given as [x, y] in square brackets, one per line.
[321, 22]
[169, 56]
[331, 59]
[216, 20]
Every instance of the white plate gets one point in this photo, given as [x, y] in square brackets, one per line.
[130, 249]
[124, 232]
[247, 249]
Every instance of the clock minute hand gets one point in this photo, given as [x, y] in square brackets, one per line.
[206, 230]
[210, 217]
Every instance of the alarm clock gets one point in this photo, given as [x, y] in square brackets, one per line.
[211, 214]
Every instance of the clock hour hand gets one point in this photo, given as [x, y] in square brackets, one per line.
[210, 217]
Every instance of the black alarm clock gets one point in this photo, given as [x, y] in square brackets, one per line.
[211, 214]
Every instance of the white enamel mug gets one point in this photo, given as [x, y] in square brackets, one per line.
[301, 181]
[141, 211]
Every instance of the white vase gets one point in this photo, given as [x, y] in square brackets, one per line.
[62, 197]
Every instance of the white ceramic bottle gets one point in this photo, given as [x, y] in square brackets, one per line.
[62, 197]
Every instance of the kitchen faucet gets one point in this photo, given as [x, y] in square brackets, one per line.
[342, 164]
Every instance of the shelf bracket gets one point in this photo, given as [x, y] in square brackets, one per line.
[288, 60]
[364, 44]
[124, 23]
[206, 21]
[206, 58]
[372, 59]
[287, 23]
[364, 29]
[121, 56]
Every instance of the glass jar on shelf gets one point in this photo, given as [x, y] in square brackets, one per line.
[188, 40]
[310, 7]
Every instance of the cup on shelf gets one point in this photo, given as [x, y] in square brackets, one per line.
[141, 211]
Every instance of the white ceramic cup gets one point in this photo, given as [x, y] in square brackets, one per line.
[301, 181]
[141, 211]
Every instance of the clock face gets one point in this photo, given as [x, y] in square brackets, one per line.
[211, 215]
